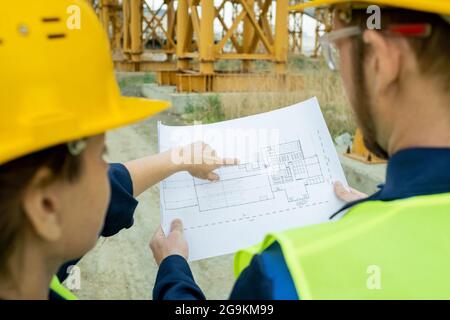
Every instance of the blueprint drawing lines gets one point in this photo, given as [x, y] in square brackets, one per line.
[281, 169]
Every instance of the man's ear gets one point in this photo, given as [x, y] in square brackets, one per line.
[383, 61]
[41, 204]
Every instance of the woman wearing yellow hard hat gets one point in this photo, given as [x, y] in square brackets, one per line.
[58, 96]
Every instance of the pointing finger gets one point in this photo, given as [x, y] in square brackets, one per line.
[212, 176]
[176, 225]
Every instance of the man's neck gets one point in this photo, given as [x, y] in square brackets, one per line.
[423, 120]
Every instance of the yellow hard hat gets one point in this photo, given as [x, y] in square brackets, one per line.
[57, 81]
[441, 7]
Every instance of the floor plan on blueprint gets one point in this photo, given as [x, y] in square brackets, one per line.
[284, 179]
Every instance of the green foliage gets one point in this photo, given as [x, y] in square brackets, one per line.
[261, 65]
[130, 85]
[208, 110]
[149, 78]
[227, 65]
[299, 63]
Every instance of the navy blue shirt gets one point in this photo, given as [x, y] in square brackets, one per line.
[410, 172]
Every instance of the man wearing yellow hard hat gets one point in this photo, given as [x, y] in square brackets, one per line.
[394, 244]
[58, 96]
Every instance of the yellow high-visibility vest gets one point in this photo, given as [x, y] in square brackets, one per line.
[379, 250]
[62, 291]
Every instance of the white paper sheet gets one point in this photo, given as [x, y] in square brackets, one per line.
[288, 164]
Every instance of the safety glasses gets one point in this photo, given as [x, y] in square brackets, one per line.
[329, 48]
[331, 52]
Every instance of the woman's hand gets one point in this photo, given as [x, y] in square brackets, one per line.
[199, 159]
[174, 243]
[348, 195]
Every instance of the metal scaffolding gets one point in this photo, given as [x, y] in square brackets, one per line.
[253, 34]
[200, 33]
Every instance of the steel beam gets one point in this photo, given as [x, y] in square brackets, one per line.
[248, 35]
[206, 34]
[182, 27]
[281, 36]
[136, 29]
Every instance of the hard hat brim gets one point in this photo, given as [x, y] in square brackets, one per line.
[129, 110]
[134, 109]
[441, 8]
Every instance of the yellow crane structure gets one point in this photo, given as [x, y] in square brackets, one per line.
[134, 26]
[249, 37]
[198, 34]
[187, 28]
[122, 19]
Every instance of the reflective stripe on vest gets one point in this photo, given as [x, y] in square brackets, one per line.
[379, 250]
[62, 291]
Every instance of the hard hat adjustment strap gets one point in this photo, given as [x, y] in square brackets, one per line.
[419, 30]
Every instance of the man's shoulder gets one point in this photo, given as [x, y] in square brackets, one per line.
[267, 277]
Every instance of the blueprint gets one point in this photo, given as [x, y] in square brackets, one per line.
[284, 179]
